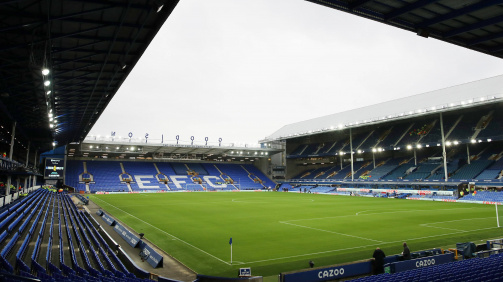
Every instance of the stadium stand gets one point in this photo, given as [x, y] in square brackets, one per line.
[478, 269]
[161, 176]
[485, 196]
[54, 220]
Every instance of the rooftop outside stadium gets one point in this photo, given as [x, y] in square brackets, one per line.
[310, 202]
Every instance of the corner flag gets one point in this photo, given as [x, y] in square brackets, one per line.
[230, 243]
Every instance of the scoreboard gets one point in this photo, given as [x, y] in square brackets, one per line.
[54, 168]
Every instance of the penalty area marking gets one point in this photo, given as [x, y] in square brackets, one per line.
[366, 246]
[333, 232]
[363, 211]
[174, 237]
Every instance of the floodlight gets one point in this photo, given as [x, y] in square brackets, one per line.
[419, 146]
[409, 147]
[51, 125]
[359, 151]
[448, 143]
[45, 71]
[473, 141]
[47, 82]
[48, 92]
[489, 140]
[455, 142]
[374, 150]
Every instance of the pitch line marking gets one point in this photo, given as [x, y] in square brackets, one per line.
[175, 238]
[348, 215]
[359, 247]
[363, 211]
[333, 232]
[426, 225]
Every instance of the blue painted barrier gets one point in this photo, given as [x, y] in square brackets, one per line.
[129, 237]
[329, 273]
[151, 256]
[420, 262]
[110, 221]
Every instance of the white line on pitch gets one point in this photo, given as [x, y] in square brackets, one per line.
[377, 213]
[311, 254]
[333, 232]
[359, 247]
[427, 225]
[167, 233]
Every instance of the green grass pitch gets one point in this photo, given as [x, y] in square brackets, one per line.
[275, 232]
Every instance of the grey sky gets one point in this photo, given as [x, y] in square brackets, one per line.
[240, 70]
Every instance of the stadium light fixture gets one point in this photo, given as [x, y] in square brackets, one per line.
[51, 125]
[45, 71]
[374, 150]
[473, 141]
[409, 147]
[455, 142]
[419, 146]
[47, 82]
[359, 151]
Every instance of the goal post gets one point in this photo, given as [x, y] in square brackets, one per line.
[196, 187]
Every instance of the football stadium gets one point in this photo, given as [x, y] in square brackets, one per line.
[420, 177]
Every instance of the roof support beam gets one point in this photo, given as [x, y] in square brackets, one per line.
[53, 37]
[456, 13]
[45, 21]
[408, 8]
[478, 25]
[358, 3]
[486, 38]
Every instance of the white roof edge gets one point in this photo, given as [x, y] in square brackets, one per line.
[466, 95]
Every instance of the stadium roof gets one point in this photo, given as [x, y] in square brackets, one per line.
[473, 24]
[141, 150]
[89, 47]
[486, 91]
